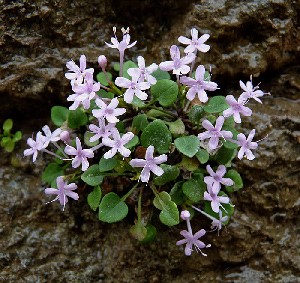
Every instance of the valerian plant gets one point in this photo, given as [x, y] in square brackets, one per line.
[138, 140]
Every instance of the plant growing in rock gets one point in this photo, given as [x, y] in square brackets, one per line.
[143, 140]
[8, 139]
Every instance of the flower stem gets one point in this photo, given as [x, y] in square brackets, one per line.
[121, 63]
[53, 154]
[130, 192]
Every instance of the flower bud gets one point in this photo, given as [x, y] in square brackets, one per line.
[102, 62]
[185, 215]
[65, 137]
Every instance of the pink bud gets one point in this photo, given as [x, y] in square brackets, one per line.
[102, 62]
[65, 137]
[185, 215]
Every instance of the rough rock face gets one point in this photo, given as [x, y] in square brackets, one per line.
[40, 243]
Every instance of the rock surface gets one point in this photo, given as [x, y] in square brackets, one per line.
[40, 243]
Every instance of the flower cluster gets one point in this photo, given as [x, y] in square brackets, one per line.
[158, 134]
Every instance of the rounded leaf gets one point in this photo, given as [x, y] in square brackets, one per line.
[112, 209]
[170, 174]
[216, 104]
[158, 135]
[188, 145]
[59, 115]
[92, 176]
[94, 198]
[165, 91]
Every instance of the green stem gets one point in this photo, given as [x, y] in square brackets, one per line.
[139, 215]
[130, 192]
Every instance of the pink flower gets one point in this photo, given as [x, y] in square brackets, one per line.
[215, 179]
[134, 88]
[123, 44]
[214, 133]
[178, 65]
[236, 108]
[81, 155]
[51, 137]
[109, 112]
[215, 199]
[246, 145]
[250, 91]
[149, 164]
[35, 146]
[63, 191]
[103, 131]
[117, 144]
[198, 85]
[84, 93]
[76, 74]
[191, 240]
[195, 43]
[145, 72]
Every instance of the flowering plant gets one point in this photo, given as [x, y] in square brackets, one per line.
[140, 141]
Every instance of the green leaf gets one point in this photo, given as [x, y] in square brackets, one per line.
[139, 123]
[151, 234]
[176, 128]
[236, 178]
[161, 75]
[87, 136]
[188, 145]
[190, 164]
[136, 102]
[138, 231]
[92, 176]
[194, 190]
[107, 164]
[196, 113]
[77, 118]
[133, 142]
[216, 104]
[101, 78]
[202, 155]
[127, 65]
[51, 172]
[170, 214]
[112, 208]
[225, 155]
[160, 199]
[165, 91]
[116, 67]
[207, 76]
[94, 198]
[154, 113]
[17, 136]
[7, 125]
[158, 135]
[9, 145]
[59, 115]
[176, 193]
[104, 94]
[170, 174]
